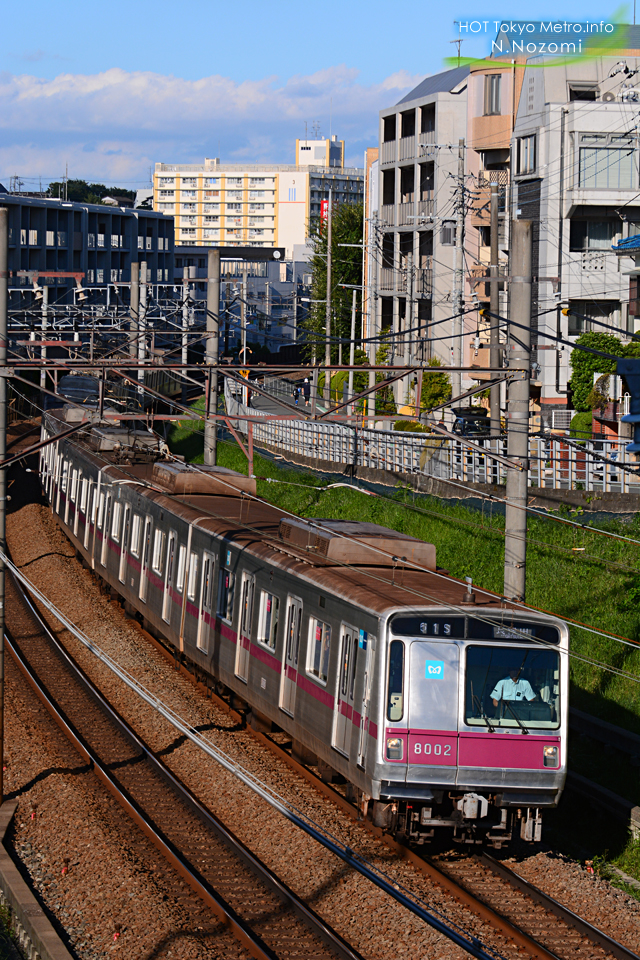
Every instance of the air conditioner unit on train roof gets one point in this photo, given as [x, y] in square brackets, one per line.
[180, 479]
[349, 541]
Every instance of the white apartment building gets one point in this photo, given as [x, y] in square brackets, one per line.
[263, 205]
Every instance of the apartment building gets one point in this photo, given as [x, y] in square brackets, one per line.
[576, 175]
[262, 205]
[100, 242]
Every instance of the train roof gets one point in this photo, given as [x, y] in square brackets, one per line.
[363, 563]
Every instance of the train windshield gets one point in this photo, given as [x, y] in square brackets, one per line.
[512, 687]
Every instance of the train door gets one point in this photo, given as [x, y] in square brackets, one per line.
[367, 644]
[124, 545]
[289, 676]
[206, 600]
[106, 522]
[345, 688]
[433, 703]
[63, 473]
[168, 577]
[144, 559]
[243, 648]
[77, 499]
[71, 486]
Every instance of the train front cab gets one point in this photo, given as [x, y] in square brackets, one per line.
[453, 758]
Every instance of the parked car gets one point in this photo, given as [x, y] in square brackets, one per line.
[471, 422]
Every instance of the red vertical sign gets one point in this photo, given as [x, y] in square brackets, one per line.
[324, 211]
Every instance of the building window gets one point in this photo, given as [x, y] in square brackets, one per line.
[607, 162]
[592, 235]
[211, 181]
[167, 193]
[166, 206]
[256, 206]
[234, 195]
[234, 181]
[234, 208]
[189, 182]
[591, 311]
[188, 195]
[256, 182]
[188, 221]
[211, 194]
[187, 232]
[492, 94]
[210, 234]
[526, 154]
[189, 207]
[212, 208]
[256, 194]
[212, 219]
[166, 181]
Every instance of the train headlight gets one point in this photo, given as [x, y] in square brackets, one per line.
[394, 748]
[550, 756]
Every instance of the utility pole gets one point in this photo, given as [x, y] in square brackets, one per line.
[142, 328]
[211, 356]
[43, 350]
[458, 277]
[4, 292]
[494, 308]
[185, 329]
[134, 309]
[352, 345]
[515, 541]
[295, 316]
[327, 351]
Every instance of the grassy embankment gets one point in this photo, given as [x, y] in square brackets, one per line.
[581, 585]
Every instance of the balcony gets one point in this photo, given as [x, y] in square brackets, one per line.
[423, 281]
[51, 238]
[406, 214]
[387, 213]
[62, 238]
[149, 244]
[101, 242]
[425, 208]
[407, 148]
[426, 138]
[388, 152]
[387, 278]
[91, 241]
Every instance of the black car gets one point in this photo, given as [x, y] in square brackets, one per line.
[77, 388]
[471, 422]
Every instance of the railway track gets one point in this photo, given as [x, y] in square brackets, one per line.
[533, 921]
[210, 870]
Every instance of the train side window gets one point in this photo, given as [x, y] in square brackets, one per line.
[115, 522]
[354, 658]
[207, 582]
[395, 686]
[225, 594]
[182, 564]
[74, 486]
[65, 476]
[135, 535]
[83, 494]
[268, 622]
[319, 647]
[100, 511]
[347, 653]
[192, 581]
[158, 551]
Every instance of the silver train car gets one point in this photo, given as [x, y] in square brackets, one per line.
[439, 711]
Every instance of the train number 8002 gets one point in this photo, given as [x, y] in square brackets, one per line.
[437, 749]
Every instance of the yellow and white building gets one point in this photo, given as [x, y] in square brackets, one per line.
[266, 205]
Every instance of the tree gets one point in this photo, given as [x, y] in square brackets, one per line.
[436, 387]
[584, 365]
[346, 264]
[385, 402]
[82, 192]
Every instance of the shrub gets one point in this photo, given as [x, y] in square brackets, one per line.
[581, 426]
[584, 365]
[411, 426]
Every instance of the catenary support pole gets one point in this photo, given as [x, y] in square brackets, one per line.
[515, 542]
[458, 275]
[45, 315]
[211, 355]
[142, 328]
[494, 353]
[352, 345]
[134, 309]
[4, 293]
[327, 349]
[185, 328]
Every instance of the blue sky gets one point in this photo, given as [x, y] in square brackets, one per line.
[112, 88]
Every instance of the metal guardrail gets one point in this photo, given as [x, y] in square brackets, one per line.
[556, 463]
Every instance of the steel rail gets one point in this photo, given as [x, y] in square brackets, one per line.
[563, 913]
[201, 886]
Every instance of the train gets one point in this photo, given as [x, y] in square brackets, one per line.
[440, 708]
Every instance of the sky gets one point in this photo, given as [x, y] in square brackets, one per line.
[110, 89]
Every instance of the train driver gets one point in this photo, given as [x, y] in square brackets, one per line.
[512, 688]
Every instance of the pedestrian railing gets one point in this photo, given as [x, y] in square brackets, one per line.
[556, 462]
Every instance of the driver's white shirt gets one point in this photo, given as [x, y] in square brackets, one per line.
[509, 689]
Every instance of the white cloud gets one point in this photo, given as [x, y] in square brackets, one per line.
[113, 125]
